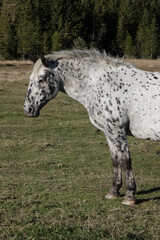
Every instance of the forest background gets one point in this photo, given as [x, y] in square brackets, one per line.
[29, 28]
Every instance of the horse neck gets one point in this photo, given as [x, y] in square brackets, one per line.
[74, 74]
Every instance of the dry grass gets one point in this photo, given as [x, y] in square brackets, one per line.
[12, 71]
[146, 64]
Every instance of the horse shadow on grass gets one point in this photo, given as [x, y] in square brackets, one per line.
[139, 201]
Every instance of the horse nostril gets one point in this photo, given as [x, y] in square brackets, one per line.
[30, 110]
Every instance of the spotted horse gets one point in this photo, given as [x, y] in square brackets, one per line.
[117, 96]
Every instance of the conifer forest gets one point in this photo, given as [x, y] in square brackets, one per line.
[129, 28]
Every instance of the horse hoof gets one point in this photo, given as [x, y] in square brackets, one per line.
[112, 196]
[129, 201]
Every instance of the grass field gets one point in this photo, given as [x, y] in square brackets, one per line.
[56, 169]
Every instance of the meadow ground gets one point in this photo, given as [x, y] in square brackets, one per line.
[56, 169]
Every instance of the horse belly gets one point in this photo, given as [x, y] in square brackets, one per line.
[144, 115]
[145, 128]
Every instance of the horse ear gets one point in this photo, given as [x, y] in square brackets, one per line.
[45, 61]
[49, 64]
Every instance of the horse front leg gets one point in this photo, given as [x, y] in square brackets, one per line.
[121, 160]
[130, 183]
[117, 179]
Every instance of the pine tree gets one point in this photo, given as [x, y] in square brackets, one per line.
[44, 8]
[6, 38]
[0, 4]
[113, 6]
[79, 43]
[129, 50]
[154, 39]
[87, 24]
[121, 33]
[128, 21]
[100, 16]
[58, 41]
[67, 19]
[147, 36]
[28, 31]
[47, 41]
[8, 19]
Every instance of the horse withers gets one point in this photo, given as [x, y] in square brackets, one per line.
[117, 96]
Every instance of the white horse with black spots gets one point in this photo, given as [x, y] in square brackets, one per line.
[117, 96]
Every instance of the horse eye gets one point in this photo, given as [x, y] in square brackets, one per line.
[40, 80]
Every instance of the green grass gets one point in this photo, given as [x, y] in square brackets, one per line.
[55, 171]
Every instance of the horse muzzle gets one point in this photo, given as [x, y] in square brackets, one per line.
[31, 111]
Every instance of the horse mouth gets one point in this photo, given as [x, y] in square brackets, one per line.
[31, 112]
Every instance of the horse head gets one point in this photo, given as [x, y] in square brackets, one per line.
[43, 86]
